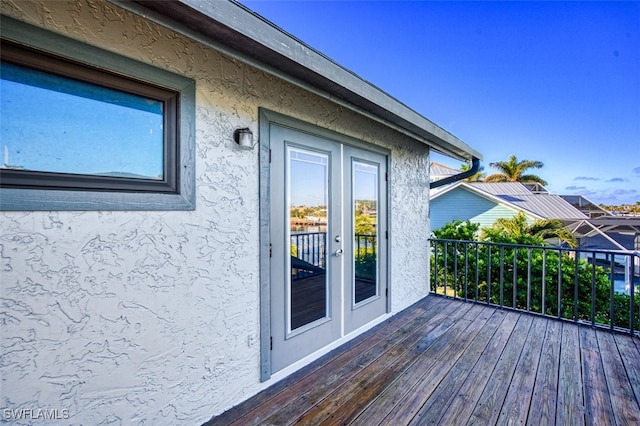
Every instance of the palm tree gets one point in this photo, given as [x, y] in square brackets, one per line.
[513, 171]
[478, 177]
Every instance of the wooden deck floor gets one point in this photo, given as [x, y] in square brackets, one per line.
[447, 362]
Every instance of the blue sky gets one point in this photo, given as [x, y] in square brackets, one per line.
[557, 82]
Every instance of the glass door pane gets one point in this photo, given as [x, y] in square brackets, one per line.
[365, 239]
[308, 190]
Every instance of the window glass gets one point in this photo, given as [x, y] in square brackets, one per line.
[55, 124]
[84, 128]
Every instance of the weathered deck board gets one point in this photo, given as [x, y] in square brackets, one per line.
[438, 402]
[464, 401]
[596, 395]
[491, 400]
[355, 401]
[400, 388]
[445, 354]
[273, 399]
[448, 362]
[629, 354]
[367, 381]
[515, 408]
[570, 407]
[543, 400]
[619, 386]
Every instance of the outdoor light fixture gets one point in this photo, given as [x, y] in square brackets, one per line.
[244, 138]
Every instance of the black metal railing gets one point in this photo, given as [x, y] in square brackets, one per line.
[592, 286]
[309, 252]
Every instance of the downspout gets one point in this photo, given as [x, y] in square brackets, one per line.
[475, 166]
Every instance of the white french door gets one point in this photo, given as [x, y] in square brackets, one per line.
[328, 242]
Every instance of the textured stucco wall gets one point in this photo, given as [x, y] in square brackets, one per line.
[153, 317]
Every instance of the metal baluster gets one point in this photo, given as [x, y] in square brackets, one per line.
[544, 282]
[444, 267]
[575, 287]
[593, 289]
[466, 269]
[455, 269]
[488, 274]
[611, 290]
[560, 284]
[477, 270]
[501, 276]
[632, 288]
[529, 280]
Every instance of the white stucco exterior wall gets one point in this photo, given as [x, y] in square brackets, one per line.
[153, 317]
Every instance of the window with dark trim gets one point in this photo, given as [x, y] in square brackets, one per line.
[90, 131]
[65, 125]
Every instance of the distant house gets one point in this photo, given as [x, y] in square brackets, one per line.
[586, 206]
[155, 152]
[483, 203]
[608, 233]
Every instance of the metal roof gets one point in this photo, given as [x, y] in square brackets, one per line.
[236, 30]
[515, 194]
[437, 171]
[543, 204]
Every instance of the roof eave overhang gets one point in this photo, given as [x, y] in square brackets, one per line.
[232, 25]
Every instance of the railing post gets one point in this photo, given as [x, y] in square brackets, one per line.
[593, 289]
[514, 288]
[575, 287]
[477, 270]
[444, 267]
[434, 247]
[632, 288]
[466, 269]
[488, 275]
[544, 282]
[559, 284]
[529, 280]
[501, 276]
[455, 269]
[611, 291]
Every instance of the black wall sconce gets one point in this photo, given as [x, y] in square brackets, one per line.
[244, 138]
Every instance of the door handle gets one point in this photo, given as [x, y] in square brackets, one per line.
[338, 253]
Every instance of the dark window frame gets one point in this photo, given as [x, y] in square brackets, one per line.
[54, 65]
[36, 48]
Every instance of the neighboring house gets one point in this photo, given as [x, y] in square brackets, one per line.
[608, 233]
[586, 206]
[483, 203]
[148, 265]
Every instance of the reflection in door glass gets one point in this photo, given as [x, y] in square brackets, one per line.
[365, 238]
[308, 184]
